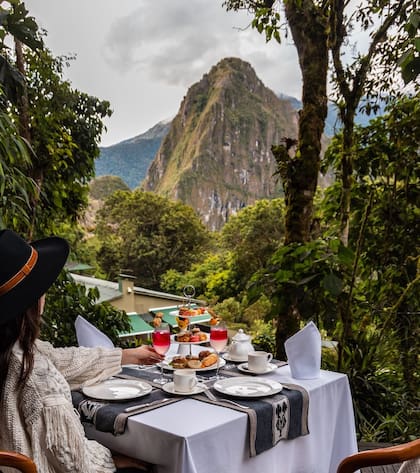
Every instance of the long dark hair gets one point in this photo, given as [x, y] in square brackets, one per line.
[25, 330]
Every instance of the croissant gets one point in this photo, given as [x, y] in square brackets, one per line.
[209, 360]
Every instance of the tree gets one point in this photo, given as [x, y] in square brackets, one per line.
[15, 185]
[243, 247]
[65, 128]
[252, 236]
[148, 234]
[319, 28]
[103, 186]
[369, 75]
[299, 160]
[409, 61]
[387, 178]
[15, 23]
[213, 278]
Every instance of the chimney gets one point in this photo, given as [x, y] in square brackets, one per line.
[126, 286]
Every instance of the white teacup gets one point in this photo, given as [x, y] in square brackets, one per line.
[258, 361]
[184, 381]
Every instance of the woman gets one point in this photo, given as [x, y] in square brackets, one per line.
[36, 412]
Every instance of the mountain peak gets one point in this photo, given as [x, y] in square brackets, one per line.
[217, 155]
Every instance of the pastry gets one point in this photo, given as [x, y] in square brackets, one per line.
[192, 357]
[179, 362]
[204, 353]
[209, 360]
[182, 323]
[183, 337]
[194, 364]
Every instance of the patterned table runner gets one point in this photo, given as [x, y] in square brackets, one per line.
[272, 418]
[110, 416]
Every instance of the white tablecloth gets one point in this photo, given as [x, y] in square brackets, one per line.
[196, 437]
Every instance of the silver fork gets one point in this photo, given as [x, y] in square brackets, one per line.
[211, 396]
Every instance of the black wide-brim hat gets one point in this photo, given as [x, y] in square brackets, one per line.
[27, 270]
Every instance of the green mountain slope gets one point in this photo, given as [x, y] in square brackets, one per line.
[131, 158]
[217, 155]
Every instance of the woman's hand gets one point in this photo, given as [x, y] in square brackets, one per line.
[144, 355]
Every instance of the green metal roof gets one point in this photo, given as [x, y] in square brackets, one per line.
[138, 326]
[171, 319]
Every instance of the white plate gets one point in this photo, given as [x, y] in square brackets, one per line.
[117, 389]
[228, 357]
[170, 388]
[174, 340]
[247, 387]
[244, 368]
[175, 313]
[166, 366]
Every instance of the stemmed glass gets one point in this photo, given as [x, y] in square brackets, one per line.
[161, 339]
[218, 340]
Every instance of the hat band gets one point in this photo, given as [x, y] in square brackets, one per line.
[21, 274]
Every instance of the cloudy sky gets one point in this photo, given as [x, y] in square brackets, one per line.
[143, 55]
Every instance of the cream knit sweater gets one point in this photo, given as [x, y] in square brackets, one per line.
[38, 419]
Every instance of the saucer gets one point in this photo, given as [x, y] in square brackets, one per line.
[229, 357]
[170, 388]
[244, 368]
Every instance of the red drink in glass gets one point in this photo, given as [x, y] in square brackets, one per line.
[161, 341]
[218, 338]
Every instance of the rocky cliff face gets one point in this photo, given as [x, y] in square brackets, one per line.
[217, 155]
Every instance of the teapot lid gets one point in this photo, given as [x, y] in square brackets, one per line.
[240, 336]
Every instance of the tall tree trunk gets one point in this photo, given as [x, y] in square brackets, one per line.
[299, 172]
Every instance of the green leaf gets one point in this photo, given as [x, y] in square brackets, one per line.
[332, 284]
[310, 278]
[345, 255]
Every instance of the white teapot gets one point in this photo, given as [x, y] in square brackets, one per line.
[240, 347]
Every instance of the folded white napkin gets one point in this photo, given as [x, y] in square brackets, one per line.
[89, 336]
[303, 352]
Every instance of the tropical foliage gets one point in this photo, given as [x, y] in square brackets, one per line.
[65, 128]
[320, 30]
[147, 234]
[16, 186]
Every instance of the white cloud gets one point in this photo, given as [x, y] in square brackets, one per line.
[143, 55]
[184, 41]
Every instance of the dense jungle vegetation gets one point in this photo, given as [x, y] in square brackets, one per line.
[346, 256]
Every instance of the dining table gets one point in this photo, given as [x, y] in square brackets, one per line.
[192, 436]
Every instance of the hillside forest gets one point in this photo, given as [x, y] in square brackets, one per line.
[345, 256]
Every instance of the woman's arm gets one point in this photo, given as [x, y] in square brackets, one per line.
[80, 364]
